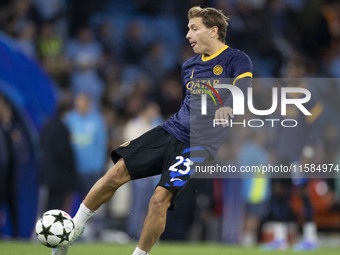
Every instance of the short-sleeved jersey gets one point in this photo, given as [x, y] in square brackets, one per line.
[188, 125]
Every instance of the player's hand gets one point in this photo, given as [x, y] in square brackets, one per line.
[224, 113]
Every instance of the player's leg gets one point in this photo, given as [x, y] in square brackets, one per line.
[309, 229]
[280, 214]
[101, 192]
[154, 223]
[175, 181]
[139, 158]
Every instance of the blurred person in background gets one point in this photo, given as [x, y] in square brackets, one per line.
[148, 118]
[169, 97]
[19, 14]
[57, 166]
[13, 140]
[53, 11]
[154, 63]
[298, 145]
[89, 143]
[86, 57]
[8, 194]
[26, 40]
[255, 189]
[51, 51]
[105, 34]
[138, 96]
[135, 44]
[88, 139]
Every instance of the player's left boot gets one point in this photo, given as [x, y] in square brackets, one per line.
[64, 249]
[305, 245]
[275, 245]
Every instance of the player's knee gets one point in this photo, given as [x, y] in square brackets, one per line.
[160, 202]
[116, 176]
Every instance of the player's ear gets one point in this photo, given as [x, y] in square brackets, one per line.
[214, 31]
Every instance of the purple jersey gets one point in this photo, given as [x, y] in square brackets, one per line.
[199, 74]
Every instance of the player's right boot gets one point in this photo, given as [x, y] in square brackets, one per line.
[64, 249]
[61, 250]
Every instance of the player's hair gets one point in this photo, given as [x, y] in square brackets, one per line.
[211, 17]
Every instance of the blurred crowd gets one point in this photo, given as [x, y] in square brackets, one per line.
[116, 66]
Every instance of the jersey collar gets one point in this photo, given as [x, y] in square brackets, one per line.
[215, 54]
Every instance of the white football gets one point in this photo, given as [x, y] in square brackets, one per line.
[55, 228]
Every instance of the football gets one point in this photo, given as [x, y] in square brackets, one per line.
[55, 228]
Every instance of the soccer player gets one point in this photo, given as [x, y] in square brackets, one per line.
[172, 148]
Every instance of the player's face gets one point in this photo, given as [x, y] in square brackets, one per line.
[82, 103]
[199, 36]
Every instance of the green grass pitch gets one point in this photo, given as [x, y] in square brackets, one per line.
[163, 248]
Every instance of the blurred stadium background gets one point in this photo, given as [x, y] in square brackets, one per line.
[122, 60]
